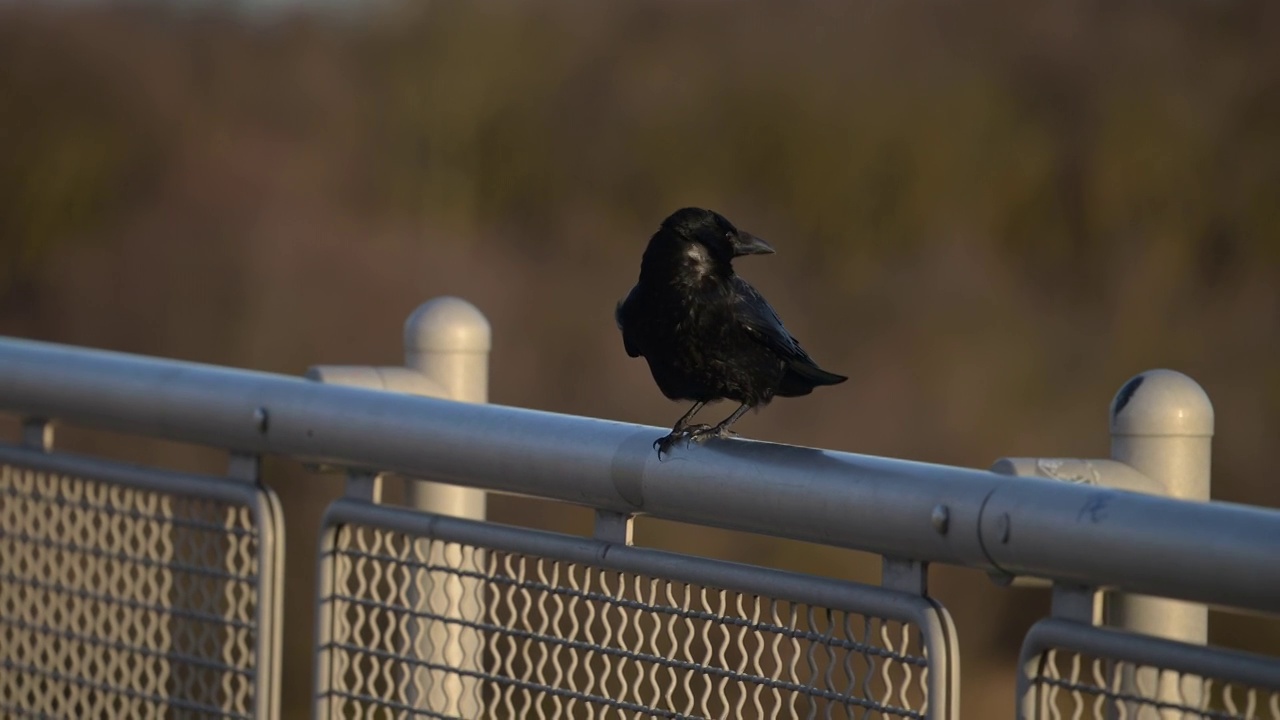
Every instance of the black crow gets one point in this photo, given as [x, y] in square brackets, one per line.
[705, 332]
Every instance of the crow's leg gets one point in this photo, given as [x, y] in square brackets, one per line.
[681, 429]
[683, 422]
[704, 433]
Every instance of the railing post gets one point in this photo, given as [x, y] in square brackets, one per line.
[446, 355]
[447, 340]
[1162, 426]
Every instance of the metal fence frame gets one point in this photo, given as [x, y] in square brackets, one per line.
[1228, 666]
[263, 506]
[937, 631]
[1047, 519]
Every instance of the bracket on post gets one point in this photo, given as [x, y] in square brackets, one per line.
[37, 434]
[909, 576]
[614, 527]
[1078, 603]
[244, 466]
[364, 485]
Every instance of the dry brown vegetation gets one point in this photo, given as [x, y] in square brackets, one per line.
[989, 214]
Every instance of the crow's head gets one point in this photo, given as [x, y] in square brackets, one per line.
[706, 239]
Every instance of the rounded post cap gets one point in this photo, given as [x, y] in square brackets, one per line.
[447, 324]
[1162, 402]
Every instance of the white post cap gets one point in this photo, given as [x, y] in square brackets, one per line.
[1162, 403]
[447, 324]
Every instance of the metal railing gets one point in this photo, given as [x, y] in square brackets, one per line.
[426, 615]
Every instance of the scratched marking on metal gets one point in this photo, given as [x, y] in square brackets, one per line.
[1081, 472]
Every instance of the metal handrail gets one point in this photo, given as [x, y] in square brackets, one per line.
[1204, 552]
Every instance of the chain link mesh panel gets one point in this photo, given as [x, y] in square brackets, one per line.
[1071, 670]
[431, 617]
[133, 593]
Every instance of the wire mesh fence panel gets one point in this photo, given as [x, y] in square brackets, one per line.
[431, 617]
[133, 593]
[1077, 671]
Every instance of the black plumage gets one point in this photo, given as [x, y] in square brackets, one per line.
[705, 332]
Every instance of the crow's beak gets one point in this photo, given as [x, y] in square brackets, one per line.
[747, 244]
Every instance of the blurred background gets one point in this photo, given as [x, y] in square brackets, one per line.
[988, 214]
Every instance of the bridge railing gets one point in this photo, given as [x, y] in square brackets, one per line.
[148, 593]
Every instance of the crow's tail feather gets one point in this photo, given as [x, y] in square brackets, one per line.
[802, 378]
[815, 374]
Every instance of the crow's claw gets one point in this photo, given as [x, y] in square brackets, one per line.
[687, 432]
[664, 443]
[703, 433]
[691, 430]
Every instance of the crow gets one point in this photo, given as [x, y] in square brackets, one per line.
[705, 332]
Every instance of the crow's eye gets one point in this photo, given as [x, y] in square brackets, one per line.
[729, 235]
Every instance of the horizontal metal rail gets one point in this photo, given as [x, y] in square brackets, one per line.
[1019, 526]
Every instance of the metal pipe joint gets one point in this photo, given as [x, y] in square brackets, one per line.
[446, 355]
[1161, 424]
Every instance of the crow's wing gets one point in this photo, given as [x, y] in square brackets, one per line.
[618, 313]
[760, 321]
